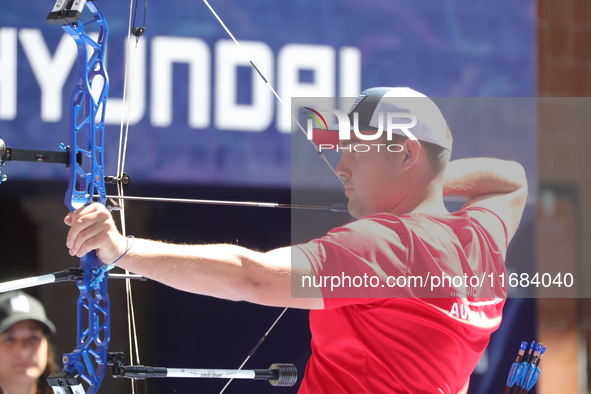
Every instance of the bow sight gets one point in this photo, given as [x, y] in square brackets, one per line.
[38, 156]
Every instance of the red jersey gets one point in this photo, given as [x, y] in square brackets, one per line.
[410, 303]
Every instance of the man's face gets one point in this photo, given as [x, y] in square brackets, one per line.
[371, 175]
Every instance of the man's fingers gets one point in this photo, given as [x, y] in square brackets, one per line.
[85, 217]
[90, 226]
[79, 222]
[87, 240]
[68, 219]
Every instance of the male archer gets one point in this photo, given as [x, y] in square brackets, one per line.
[423, 262]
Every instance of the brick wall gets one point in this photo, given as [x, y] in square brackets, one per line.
[564, 227]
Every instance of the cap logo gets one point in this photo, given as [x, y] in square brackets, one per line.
[20, 303]
[317, 116]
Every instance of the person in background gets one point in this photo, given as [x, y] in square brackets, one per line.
[26, 356]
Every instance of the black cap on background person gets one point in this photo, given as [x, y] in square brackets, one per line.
[16, 306]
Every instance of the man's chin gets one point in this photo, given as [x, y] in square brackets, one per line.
[354, 210]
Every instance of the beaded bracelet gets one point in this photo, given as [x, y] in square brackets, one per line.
[124, 253]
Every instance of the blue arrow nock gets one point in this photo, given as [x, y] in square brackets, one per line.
[533, 372]
[515, 371]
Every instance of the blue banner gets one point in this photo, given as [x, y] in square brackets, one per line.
[200, 114]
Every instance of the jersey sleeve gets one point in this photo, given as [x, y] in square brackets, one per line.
[354, 264]
[488, 211]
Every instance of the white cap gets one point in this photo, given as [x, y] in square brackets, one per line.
[373, 103]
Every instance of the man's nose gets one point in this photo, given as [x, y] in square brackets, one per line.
[342, 169]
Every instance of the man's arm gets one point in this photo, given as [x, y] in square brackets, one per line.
[223, 271]
[497, 185]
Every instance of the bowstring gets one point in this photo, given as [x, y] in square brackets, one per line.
[266, 81]
[256, 347]
[294, 118]
[121, 157]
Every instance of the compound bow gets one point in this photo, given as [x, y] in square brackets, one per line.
[85, 159]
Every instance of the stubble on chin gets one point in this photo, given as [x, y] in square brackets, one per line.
[354, 209]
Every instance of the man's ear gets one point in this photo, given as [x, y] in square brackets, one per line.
[411, 152]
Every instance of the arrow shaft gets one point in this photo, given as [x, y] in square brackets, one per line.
[233, 203]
